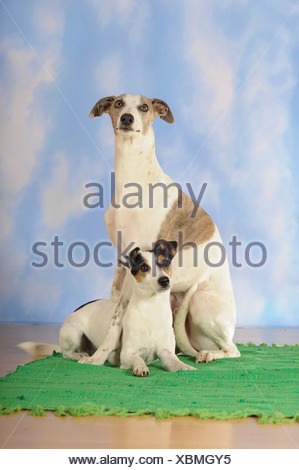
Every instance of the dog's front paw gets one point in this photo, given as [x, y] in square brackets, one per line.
[184, 366]
[97, 359]
[206, 356]
[85, 359]
[188, 367]
[141, 371]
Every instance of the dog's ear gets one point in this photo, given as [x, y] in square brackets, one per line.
[165, 249]
[135, 260]
[173, 246]
[163, 110]
[124, 260]
[132, 256]
[102, 106]
[129, 261]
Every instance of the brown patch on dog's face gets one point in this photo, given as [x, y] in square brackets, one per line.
[139, 265]
[142, 271]
[147, 116]
[164, 263]
[116, 109]
[160, 259]
[168, 270]
[156, 108]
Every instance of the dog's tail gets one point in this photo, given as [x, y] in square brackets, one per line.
[181, 337]
[39, 349]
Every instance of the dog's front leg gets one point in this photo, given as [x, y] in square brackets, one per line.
[130, 360]
[171, 362]
[111, 342]
[112, 339]
[118, 281]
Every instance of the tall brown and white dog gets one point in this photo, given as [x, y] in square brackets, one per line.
[202, 297]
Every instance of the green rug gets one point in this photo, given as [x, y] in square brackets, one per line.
[263, 382]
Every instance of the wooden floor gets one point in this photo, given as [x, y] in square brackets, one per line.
[20, 431]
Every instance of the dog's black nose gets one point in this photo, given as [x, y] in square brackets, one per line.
[127, 119]
[163, 281]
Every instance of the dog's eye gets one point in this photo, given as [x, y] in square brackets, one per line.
[144, 107]
[118, 104]
[144, 268]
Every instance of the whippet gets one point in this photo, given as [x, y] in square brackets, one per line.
[147, 324]
[205, 323]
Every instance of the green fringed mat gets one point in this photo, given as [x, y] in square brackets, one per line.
[263, 382]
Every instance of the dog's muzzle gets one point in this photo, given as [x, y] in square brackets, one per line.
[127, 120]
[164, 281]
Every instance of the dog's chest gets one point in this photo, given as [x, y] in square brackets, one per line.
[136, 215]
[147, 328]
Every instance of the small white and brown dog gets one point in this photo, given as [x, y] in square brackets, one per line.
[147, 326]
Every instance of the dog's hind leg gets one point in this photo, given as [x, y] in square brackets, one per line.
[212, 324]
[114, 358]
[75, 356]
[180, 315]
[227, 351]
[74, 344]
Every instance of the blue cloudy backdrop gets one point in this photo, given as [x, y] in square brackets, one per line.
[229, 71]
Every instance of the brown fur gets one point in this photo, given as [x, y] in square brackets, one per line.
[117, 284]
[134, 254]
[167, 248]
[122, 304]
[198, 230]
[168, 270]
[139, 276]
[102, 106]
[161, 259]
[114, 113]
